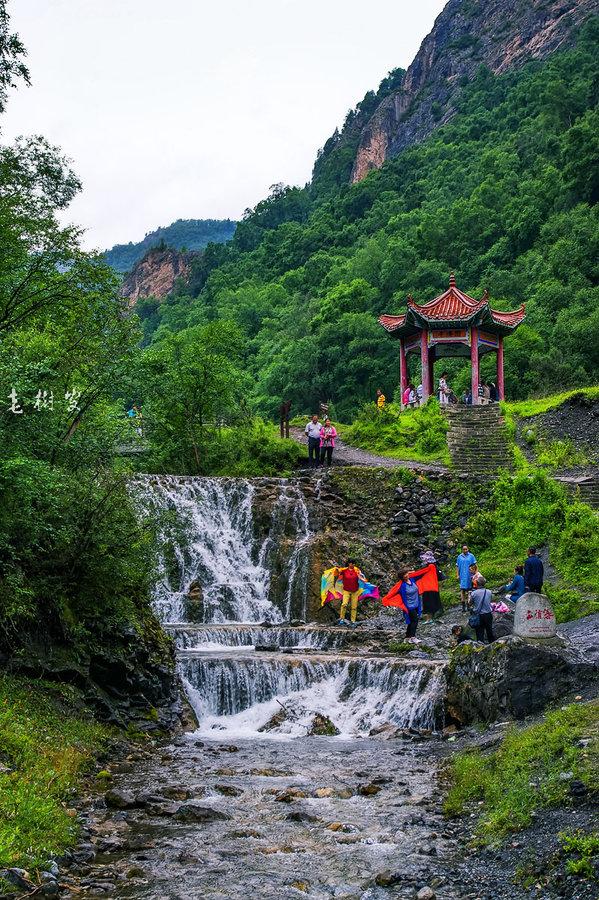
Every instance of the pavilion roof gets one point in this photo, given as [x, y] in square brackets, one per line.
[452, 307]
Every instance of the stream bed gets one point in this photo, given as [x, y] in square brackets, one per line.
[318, 817]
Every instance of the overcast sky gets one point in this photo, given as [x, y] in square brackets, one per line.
[192, 109]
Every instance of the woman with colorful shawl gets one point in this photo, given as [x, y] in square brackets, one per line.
[339, 583]
[426, 580]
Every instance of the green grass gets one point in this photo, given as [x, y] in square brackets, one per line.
[47, 742]
[582, 851]
[560, 454]
[523, 775]
[524, 409]
[417, 435]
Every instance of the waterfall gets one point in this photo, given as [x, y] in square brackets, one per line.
[208, 540]
[233, 570]
[239, 696]
[207, 638]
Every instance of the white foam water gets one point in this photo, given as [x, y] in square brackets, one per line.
[210, 637]
[206, 536]
[239, 696]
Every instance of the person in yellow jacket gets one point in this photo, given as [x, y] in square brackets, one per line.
[380, 399]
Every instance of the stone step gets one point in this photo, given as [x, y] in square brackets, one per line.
[477, 440]
[483, 412]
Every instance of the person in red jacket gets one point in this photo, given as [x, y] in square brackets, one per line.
[349, 575]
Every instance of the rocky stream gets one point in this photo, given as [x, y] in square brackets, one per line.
[312, 766]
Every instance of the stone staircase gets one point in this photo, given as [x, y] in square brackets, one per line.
[584, 487]
[477, 440]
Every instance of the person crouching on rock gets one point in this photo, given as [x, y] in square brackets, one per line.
[349, 575]
[412, 601]
[461, 633]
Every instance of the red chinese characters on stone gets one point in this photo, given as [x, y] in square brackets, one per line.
[539, 614]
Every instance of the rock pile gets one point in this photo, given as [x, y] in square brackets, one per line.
[417, 509]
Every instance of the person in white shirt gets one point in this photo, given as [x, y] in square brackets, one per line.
[419, 394]
[443, 390]
[313, 431]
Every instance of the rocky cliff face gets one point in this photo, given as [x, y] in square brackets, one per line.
[155, 274]
[500, 34]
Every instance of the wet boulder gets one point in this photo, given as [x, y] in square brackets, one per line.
[583, 634]
[289, 795]
[503, 624]
[228, 790]
[512, 677]
[195, 812]
[369, 790]
[117, 798]
[275, 721]
[193, 603]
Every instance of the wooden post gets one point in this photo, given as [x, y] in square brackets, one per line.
[403, 368]
[474, 363]
[426, 374]
[500, 379]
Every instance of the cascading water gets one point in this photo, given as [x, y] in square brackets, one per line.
[240, 696]
[207, 538]
[211, 637]
[243, 548]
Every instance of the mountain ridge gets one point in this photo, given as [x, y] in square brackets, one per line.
[498, 34]
[182, 234]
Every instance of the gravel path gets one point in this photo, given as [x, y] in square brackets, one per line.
[351, 456]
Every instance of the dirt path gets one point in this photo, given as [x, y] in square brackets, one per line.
[353, 456]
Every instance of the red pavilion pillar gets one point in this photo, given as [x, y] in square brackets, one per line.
[431, 369]
[403, 368]
[474, 363]
[500, 380]
[424, 360]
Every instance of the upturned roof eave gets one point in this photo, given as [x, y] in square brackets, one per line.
[415, 321]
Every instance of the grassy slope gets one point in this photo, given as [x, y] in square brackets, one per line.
[506, 788]
[47, 742]
[549, 454]
[532, 509]
[414, 434]
[523, 774]
[534, 407]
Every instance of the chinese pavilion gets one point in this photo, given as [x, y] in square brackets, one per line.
[452, 324]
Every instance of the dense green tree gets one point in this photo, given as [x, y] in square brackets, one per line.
[73, 561]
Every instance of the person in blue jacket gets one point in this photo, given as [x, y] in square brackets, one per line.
[412, 602]
[517, 587]
[463, 563]
[533, 572]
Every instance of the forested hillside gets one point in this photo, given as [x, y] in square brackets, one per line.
[504, 195]
[188, 234]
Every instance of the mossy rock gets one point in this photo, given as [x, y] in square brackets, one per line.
[322, 725]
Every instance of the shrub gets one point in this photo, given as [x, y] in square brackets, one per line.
[414, 434]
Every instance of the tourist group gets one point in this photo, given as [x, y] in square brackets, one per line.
[416, 593]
